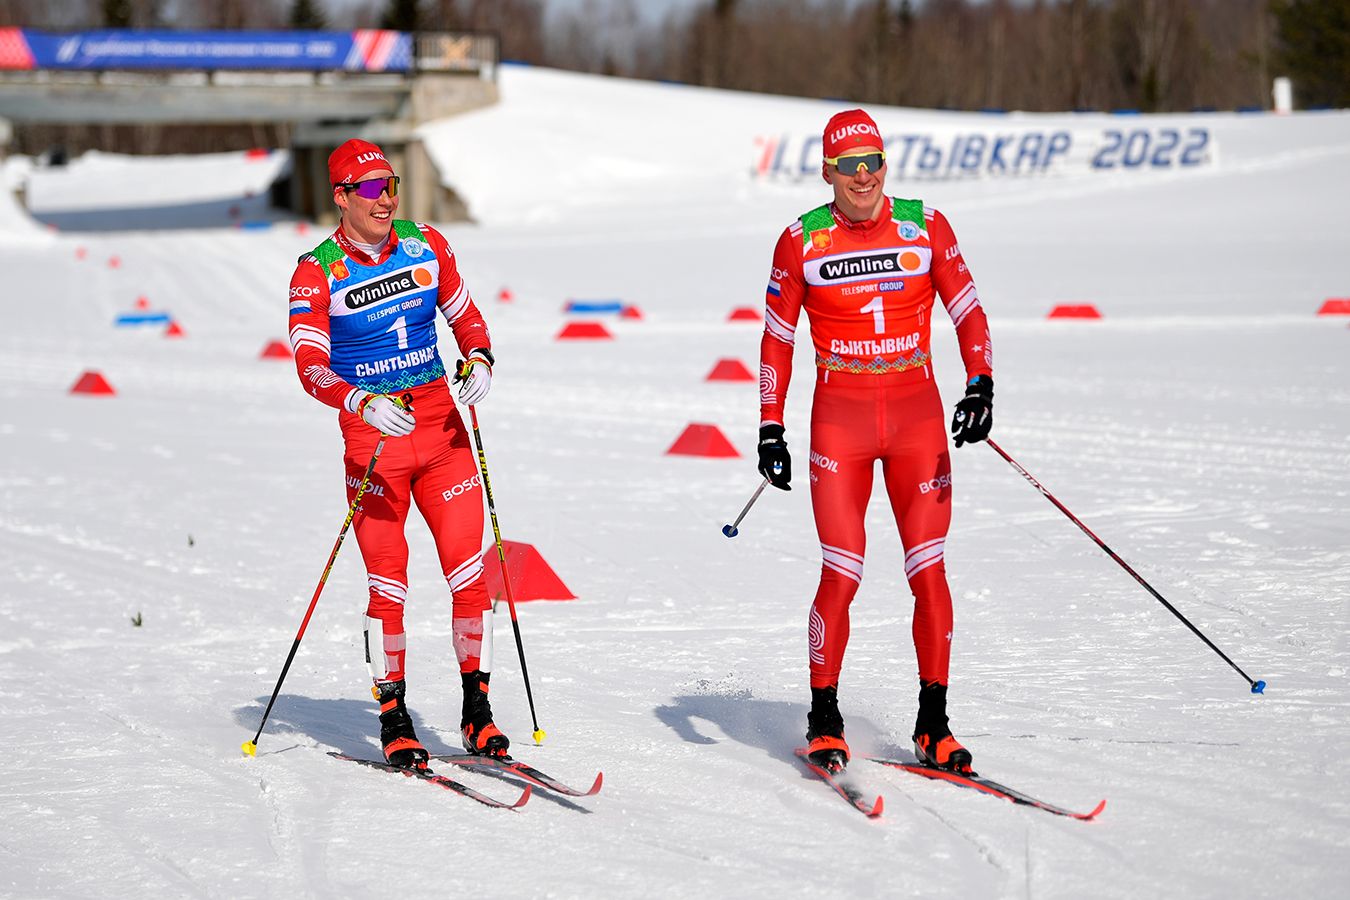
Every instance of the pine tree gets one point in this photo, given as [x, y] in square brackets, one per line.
[401, 15]
[1315, 35]
[307, 15]
[117, 13]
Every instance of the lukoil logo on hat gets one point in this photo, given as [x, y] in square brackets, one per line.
[848, 129]
[354, 160]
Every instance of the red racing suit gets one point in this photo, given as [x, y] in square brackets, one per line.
[362, 326]
[868, 290]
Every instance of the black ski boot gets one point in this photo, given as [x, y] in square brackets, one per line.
[933, 741]
[481, 736]
[825, 731]
[401, 747]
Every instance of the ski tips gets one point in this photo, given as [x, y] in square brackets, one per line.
[1258, 687]
[249, 748]
[730, 531]
[539, 736]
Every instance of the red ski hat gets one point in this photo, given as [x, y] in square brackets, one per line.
[354, 160]
[848, 129]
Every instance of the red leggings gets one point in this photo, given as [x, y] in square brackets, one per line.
[435, 468]
[855, 421]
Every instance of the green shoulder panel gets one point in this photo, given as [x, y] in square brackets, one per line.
[405, 229]
[329, 252]
[326, 254]
[819, 219]
[908, 211]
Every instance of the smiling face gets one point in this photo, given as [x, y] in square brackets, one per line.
[858, 197]
[367, 221]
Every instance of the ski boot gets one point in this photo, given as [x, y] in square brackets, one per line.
[401, 747]
[481, 736]
[825, 731]
[933, 741]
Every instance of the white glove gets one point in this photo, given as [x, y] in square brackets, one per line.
[475, 377]
[382, 412]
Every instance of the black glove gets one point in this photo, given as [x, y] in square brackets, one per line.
[775, 463]
[975, 413]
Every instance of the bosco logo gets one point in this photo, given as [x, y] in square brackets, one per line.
[304, 291]
[935, 484]
[464, 486]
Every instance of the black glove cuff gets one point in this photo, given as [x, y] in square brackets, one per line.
[981, 386]
[771, 434]
[486, 354]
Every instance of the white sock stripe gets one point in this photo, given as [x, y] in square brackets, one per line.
[387, 587]
[910, 573]
[840, 551]
[465, 574]
[856, 576]
[919, 548]
[923, 561]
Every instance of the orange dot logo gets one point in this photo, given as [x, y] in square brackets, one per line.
[909, 260]
[422, 277]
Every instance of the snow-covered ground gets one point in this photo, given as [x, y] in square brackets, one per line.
[1202, 429]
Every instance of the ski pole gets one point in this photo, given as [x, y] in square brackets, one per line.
[506, 576]
[251, 747]
[1258, 687]
[731, 530]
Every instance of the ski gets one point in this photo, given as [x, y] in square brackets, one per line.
[448, 783]
[529, 774]
[850, 792]
[987, 786]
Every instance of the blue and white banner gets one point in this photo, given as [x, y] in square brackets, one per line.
[944, 152]
[366, 50]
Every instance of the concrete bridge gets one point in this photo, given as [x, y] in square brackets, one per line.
[449, 74]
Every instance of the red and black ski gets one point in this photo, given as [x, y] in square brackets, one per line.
[987, 786]
[844, 788]
[529, 774]
[440, 780]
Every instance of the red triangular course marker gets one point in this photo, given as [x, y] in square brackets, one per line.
[630, 312]
[730, 370]
[745, 314]
[92, 382]
[584, 331]
[505, 295]
[114, 262]
[702, 440]
[1075, 311]
[142, 302]
[174, 330]
[1335, 306]
[531, 576]
[275, 350]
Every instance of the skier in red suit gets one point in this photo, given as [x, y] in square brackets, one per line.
[363, 312]
[867, 268]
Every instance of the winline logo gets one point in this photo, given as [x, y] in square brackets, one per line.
[398, 283]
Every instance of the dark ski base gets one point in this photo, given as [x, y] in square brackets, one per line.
[848, 791]
[529, 774]
[989, 787]
[440, 780]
